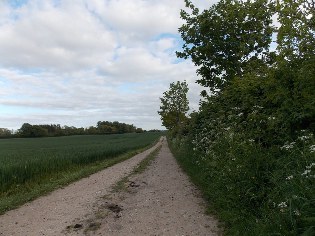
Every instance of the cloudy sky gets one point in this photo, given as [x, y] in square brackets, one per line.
[75, 62]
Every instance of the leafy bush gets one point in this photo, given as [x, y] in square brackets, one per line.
[255, 190]
[251, 146]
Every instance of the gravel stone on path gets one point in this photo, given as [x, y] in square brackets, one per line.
[164, 203]
[159, 201]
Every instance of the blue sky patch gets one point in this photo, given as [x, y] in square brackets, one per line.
[17, 3]
[108, 59]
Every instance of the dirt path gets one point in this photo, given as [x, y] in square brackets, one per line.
[160, 201]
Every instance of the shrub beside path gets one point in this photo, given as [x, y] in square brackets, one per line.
[159, 201]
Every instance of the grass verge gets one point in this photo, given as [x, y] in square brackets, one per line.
[140, 168]
[252, 189]
[32, 190]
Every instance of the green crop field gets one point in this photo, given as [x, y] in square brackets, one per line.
[28, 160]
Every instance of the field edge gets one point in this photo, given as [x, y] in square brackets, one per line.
[31, 191]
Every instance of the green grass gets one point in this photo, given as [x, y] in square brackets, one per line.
[140, 168]
[32, 167]
[254, 190]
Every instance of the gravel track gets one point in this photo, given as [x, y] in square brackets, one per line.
[160, 201]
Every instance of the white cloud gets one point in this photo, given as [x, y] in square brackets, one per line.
[4, 13]
[77, 62]
[60, 38]
[138, 20]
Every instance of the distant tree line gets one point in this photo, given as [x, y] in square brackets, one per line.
[53, 130]
[5, 133]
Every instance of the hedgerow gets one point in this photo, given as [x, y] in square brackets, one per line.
[251, 145]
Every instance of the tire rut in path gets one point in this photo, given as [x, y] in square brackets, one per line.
[53, 213]
[160, 201]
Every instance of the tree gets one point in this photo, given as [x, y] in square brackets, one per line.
[297, 31]
[107, 127]
[28, 130]
[139, 130]
[174, 105]
[263, 113]
[296, 62]
[4, 133]
[227, 40]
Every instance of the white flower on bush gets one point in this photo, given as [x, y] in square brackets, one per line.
[305, 137]
[312, 148]
[297, 212]
[254, 112]
[306, 172]
[259, 107]
[282, 205]
[310, 166]
[289, 177]
[288, 146]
